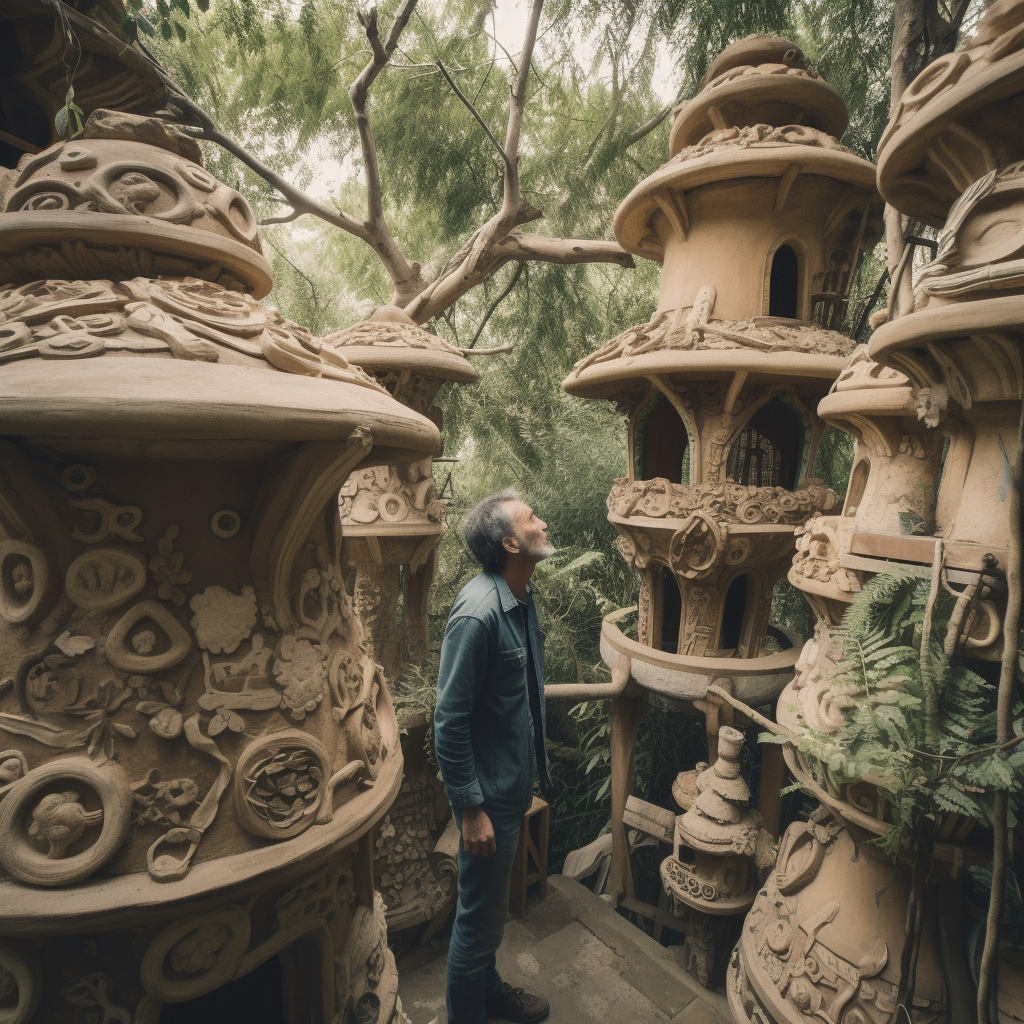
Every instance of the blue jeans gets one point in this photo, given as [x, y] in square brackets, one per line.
[480, 922]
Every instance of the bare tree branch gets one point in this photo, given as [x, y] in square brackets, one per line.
[476, 114]
[493, 306]
[286, 219]
[199, 124]
[515, 114]
[406, 277]
[649, 125]
[488, 249]
[524, 246]
[485, 351]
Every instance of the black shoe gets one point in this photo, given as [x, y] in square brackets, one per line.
[516, 1005]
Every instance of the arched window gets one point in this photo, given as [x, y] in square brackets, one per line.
[662, 444]
[671, 611]
[768, 450]
[734, 611]
[784, 284]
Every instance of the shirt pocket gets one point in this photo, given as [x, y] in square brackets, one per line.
[515, 657]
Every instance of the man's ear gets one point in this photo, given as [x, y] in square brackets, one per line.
[510, 544]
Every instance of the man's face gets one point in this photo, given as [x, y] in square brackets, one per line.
[530, 532]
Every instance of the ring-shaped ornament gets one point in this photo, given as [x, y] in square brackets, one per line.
[250, 802]
[186, 983]
[28, 983]
[29, 864]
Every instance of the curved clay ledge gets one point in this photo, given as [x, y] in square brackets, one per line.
[138, 397]
[823, 107]
[903, 154]
[23, 230]
[950, 321]
[101, 902]
[632, 218]
[598, 380]
[755, 680]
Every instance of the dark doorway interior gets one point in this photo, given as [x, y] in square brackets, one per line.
[768, 449]
[671, 610]
[783, 285]
[663, 443]
[258, 998]
[733, 613]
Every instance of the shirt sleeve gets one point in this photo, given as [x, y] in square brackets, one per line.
[464, 658]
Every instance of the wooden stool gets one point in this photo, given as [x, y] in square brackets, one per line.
[531, 863]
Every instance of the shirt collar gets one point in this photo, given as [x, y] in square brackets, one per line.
[509, 601]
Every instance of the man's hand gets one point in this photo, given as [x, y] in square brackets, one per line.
[477, 832]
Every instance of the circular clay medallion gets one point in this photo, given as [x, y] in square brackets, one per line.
[23, 577]
[192, 957]
[20, 988]
[280, 783]
[64, 820]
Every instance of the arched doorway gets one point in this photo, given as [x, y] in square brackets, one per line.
[662, 443]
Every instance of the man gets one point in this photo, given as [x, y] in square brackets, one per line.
[489, 738]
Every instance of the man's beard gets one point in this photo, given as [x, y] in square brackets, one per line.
[540, 550]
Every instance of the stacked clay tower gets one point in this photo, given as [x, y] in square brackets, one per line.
[392, 523]
[934, 404]
[196, 740]
[758, 219]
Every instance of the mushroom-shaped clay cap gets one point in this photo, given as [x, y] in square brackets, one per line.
[389, 339]
[957, 121]
[759, 80]
[128, 197]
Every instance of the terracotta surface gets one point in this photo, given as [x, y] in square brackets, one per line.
[933, 403]
[758, 219]
[720, 851]
[197, 741]
[392, 522]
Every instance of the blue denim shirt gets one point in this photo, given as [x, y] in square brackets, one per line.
[483, 729]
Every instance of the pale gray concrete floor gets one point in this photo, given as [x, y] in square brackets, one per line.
[592, 965]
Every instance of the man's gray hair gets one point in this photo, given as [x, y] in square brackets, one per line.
[487, 525]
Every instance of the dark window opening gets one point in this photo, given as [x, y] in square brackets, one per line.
[768, 450]
[733, 613]
[20, 116]
[663, 443]
[783, 284]
[257, 998]
[671, 611]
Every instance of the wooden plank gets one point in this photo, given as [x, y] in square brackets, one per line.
[960, 554]
[635, 906]
[650, 819]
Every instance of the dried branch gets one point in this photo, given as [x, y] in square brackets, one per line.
[405, 277]
[198, 124]
[286, 219]
[641, 131]
[492, 246]
[515, 115]
[485, 351]
[476, 114]
[544, 249]
[493, 306]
